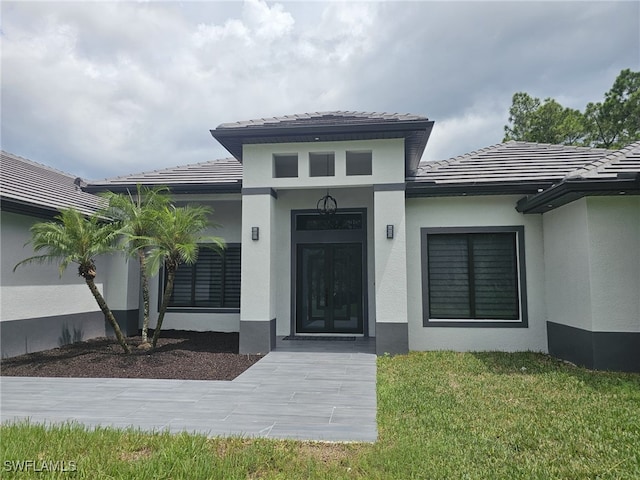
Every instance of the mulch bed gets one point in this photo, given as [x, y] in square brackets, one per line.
[180, 355]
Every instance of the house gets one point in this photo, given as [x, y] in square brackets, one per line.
[334, 227]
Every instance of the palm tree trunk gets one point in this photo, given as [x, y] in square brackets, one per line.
[108, 314]
[145, 296]
[166, 297]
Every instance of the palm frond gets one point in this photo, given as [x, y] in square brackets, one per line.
[70, 238]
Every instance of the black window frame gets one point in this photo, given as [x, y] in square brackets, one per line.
[520, 275]
[193, 307]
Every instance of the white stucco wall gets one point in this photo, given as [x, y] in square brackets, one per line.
[121, 279]
[473, 212]
[228, 215]
[257, 302]
[391, 258]
[614, 253]
[387, 164]
[592, 258]
[37, 290]
[567, 266]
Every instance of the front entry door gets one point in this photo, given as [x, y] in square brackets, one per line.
[329, 294]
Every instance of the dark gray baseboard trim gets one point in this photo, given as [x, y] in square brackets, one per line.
[257, 336]
[618, 351]
[260, 191]
[392, 338]
[18, 337]
[128, 320]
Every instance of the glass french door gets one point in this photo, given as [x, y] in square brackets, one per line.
[329, 291]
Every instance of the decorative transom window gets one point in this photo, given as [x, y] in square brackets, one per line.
[359, 162]
[213, 282]
[285, 165]
[322, 164]
[473, 276]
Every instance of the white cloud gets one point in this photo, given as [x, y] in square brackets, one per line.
[478, 127]
[108, 88]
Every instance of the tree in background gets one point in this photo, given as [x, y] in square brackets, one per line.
[135, 216]
[613, 123]
[74, 238]
[176, 239]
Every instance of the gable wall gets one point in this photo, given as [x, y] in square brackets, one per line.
[387, 166]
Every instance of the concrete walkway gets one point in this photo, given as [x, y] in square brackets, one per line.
[326, 394]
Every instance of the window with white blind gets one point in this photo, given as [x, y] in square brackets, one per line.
[213, 282]
[473, 276]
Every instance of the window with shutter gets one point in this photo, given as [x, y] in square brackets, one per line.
[473, 276]
[212, 283]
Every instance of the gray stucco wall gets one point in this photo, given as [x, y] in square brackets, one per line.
[18, 337]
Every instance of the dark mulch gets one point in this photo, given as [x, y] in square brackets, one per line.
[179, 354]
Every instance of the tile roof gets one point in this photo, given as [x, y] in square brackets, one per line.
[324, 118]
[333, 126]
[222, 173]
[510, 162]
[31, 185]
[623, 161]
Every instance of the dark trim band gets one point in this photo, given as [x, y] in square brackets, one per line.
[260, 191]
[392, 338]
[619, 351]
[257, 336]
[389, 187]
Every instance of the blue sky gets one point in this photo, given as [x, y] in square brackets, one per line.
[101, 89]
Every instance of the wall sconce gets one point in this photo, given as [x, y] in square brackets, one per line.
[389, 231]
[255, 233]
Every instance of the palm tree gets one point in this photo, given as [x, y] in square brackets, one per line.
[74, 238]
[135, 216]
[177, 240]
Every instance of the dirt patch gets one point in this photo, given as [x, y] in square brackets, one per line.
[179, 355]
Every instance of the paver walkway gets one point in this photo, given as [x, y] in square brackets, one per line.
[327, 394]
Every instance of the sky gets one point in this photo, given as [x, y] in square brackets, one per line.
[103, 89]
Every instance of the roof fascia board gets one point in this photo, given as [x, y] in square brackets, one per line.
[572, 189]
[413, 161]
[235, 187]
[431, 189]
[260, 131]
[23, 208]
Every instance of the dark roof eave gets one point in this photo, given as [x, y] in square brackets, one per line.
[572, 189]
[178, 188]
[11, 205]
[416, 189]
[299, 130]
[418, 131]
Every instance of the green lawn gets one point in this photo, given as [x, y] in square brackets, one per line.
[440, 415]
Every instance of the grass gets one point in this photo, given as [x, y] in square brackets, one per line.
[440, 415]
